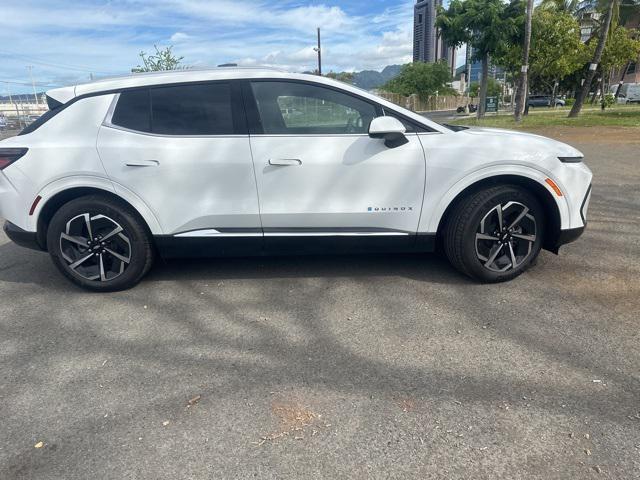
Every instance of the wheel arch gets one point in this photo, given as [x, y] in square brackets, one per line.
[48, 209]
[553, 219]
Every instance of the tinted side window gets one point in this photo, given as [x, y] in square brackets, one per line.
[192, 110]
[303, 109]
[133, 111]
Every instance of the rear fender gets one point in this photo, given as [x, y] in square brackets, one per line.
[98, 183]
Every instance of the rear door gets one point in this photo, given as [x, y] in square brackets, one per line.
[322, 181]
[184, 150]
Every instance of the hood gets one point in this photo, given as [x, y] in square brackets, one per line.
[511, 139]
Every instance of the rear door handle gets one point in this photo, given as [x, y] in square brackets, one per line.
[283, 162]
[142, 163]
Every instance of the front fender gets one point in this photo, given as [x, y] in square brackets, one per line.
[437, 198]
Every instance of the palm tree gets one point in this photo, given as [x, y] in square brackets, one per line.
[524, 75]
[604, 34]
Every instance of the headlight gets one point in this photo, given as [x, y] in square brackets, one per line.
[570, 159]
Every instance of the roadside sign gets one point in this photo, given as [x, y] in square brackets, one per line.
[491, 105]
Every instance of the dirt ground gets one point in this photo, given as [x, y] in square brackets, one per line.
[601, 135]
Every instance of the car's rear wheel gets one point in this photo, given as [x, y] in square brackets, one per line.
[99, 244]
[495, 234]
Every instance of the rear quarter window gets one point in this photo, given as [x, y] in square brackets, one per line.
[133, 111]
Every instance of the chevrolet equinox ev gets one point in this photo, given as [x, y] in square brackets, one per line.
[235, 161]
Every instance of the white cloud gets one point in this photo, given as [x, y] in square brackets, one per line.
[179, 37]
[107, 39]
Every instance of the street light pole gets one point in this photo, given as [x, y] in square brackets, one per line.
[33, 84]
[319, 50]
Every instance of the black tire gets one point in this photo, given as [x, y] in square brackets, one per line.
[105, 256]
[466, 243]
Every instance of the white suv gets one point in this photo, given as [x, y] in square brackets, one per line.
[256, 161]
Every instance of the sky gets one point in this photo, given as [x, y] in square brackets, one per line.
[65, 41]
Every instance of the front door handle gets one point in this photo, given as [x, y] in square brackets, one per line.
[284, 162]
[142, 163]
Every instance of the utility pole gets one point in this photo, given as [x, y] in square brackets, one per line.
[319, 50]
[33, 84]
[467, 70]
[11, 99]
[593, 66]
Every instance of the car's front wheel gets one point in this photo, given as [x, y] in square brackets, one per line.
[99, 243]
[495, 234]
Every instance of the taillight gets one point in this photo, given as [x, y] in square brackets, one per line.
[10, 155]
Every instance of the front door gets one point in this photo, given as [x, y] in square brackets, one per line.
[320, 175]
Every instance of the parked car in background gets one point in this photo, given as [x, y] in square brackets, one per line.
[544, 101]
[27, 120]
[19, 122]
[629, 92]
[13, 123]
[214, 163]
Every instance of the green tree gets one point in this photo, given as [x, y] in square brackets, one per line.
[494, 88]
[346, 77]
[575, 8]
[484, 25]
[164, 59]
[556, 49]
[629, 10]
[620, 50]
[572, 7]
[423, 79]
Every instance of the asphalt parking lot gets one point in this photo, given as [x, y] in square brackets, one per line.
[336, 367]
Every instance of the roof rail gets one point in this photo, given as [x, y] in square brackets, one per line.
[187, 70]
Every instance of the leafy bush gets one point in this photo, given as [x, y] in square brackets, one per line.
[609, 100]
[494, 88]
[569, 102]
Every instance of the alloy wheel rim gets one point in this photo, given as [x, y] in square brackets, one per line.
[505, 237]
[95, 247]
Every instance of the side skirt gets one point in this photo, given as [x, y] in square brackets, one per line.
[291, 243]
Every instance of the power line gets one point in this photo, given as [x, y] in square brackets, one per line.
[28, 84]
[62, 66]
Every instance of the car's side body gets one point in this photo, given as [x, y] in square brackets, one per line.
[263, 184]
[545, 101]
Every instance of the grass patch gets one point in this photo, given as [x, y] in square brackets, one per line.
[622, 116]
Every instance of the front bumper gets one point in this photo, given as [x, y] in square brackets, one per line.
[22, 237]
[568, 236]
[572, 234]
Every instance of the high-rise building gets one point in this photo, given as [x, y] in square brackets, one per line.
[428, 44]
[475, 74]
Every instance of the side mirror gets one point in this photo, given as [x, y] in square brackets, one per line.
[390, 129]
